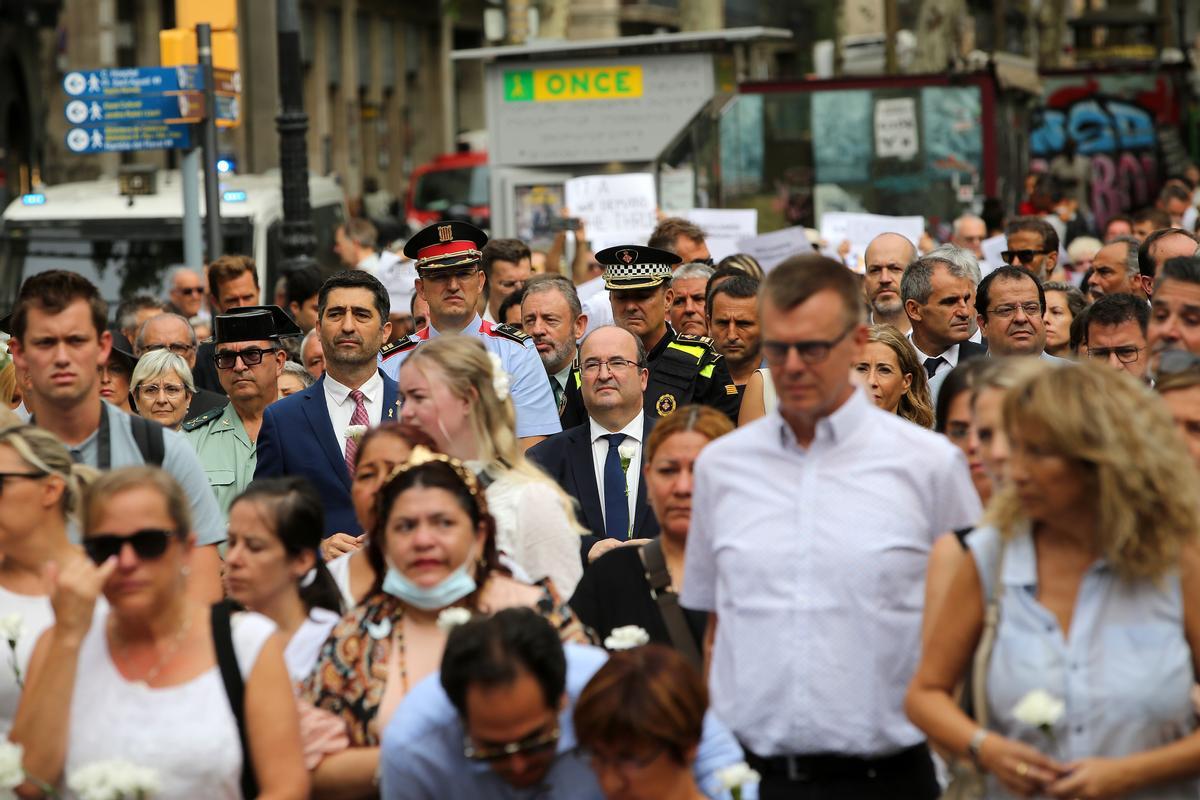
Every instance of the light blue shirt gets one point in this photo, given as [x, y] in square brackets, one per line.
[537, 413]
[422, 751]
[1124, 670]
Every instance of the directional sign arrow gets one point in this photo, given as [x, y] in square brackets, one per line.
[125, 138]
[97, 83]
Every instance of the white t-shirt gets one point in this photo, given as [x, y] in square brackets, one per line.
[305, 645]
[36, 616]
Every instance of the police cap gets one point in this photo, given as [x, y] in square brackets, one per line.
[635, 266]
[446, 245]
[253, 324]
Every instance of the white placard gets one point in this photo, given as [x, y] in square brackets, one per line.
[770, 249]
[724, 228]
[896, 128]
[676, 189]
[992, 248]
[617, 209]
[860, 229]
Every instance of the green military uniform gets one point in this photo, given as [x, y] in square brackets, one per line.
[225, 450]
[687, 369]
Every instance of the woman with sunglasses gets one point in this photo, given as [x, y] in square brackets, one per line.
[433, 548]
[40, 491]
[138, 679]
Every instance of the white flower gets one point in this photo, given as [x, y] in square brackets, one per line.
[113, 780]
[1039, 709]
[737, 775]
[499, 377]
[11, 774]
[356, 432]
[451, 618]
[11, 627]
[626, 637]
[627, 450]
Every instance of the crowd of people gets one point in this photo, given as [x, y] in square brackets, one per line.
[474, 521]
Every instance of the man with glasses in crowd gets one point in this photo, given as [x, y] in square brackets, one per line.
[1116, 334]
[784, 543]
[1010, 304]
[249, 359]
[186, 295]
[173, 332]
[447, 255]
[1032, 246]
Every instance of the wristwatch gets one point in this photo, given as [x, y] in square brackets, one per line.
[975, 745]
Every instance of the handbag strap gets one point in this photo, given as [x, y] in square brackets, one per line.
[235, 690]
[668, 602]
[987, 640]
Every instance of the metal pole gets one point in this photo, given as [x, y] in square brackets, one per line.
[193, 235]
[212, 191]
[296, 237]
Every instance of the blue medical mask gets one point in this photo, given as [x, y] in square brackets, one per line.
[454, 587]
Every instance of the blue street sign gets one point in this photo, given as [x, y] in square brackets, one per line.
[132, 109]
[132, 81]
[124, 138]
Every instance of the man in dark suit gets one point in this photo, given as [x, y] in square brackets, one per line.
[553, 317]
[939, 298]
[315, 433]
[600, 462]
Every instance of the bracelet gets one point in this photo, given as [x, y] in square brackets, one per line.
[975, 745]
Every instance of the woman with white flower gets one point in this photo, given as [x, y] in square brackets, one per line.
[433, 548]
[40, 491]
[458, 394]
[1091, 557]
[143, 678]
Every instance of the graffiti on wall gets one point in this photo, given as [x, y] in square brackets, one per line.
[1113, 121]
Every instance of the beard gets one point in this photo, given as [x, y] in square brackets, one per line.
[558, 357]
[887, 308]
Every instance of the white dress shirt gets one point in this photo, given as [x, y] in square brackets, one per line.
[341, 405]
[820, 553]
[633, 435]
[949, 355]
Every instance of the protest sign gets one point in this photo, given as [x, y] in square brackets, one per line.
[724, 228]
[860, 229]
[772, 248]
[617, 209]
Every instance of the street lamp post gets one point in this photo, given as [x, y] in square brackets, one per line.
[297, 239]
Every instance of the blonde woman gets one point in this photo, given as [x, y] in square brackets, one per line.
[893, 376]
[1090, 553]
[40, 491]
[454, 391]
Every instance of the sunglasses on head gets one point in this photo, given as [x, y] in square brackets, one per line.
[147, 544]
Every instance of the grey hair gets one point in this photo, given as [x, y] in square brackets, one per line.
[160, 362]
[956, 228]
[556, 283]
[692, 270]
[176, 272]
[917, 283]
[139, 342]
[297, 371]
[1131, 253]
[313, 334]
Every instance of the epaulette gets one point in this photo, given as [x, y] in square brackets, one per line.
[509, 332]
[204, 419]
[691, 338]
[399, 346]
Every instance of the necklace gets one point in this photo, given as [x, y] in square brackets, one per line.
[164, 657]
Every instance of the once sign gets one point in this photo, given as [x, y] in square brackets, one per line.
[581, 83]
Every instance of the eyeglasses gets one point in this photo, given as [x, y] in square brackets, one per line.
[537, 743]
[191, 290]
[251, 357]
[592, 365]
[4, 476]
[810, 352]
[172, 391]
[1009, 311]
[178, 348]
[1126, 354]
[147, 544]
[1024, 256]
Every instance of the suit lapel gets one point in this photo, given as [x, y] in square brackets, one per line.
[391, 400]
[583, 473]
[318, 418]
[642, 506]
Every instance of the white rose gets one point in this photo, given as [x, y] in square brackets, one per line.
[356, 432]
[1039, 709]
[11, 627]
[451, 618]
[11, 774]
[113, 780]
[626, 637]
[627, 450]
[500, 383]
[737, 775]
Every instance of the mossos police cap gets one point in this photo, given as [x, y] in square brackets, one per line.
[446, 245]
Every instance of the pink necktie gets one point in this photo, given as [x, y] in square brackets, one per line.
[359, 418]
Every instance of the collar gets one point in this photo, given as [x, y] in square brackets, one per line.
[1020, 559]
[338, 392]
[667, 338]
[949, 355]
[563, 375]
[475, 325]
[834, 428]
[633, 430]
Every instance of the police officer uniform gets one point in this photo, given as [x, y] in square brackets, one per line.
[683, 368]
[220, 439]
[456, 245]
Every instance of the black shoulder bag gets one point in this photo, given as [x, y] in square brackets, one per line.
[235, 690]
[668, 603]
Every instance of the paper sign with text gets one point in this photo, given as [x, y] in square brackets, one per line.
[771, 249]
[724, 228]
[617, 209]
[860, 229]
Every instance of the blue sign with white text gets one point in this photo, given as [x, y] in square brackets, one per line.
[126, 138]
[132, 81]
[146, 108]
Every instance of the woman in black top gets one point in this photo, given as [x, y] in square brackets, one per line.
[615, 590]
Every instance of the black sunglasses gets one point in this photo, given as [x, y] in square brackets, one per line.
[251, 357]
[4, 476]
[147, 544]
[1024, 256]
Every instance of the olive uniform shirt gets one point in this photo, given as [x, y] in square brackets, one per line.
[225, 451]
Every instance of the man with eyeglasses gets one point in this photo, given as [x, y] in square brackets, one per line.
[599, 462]
[1010, 304]
[497, 721]
[1116, 334]
[810, 534]
[684, 368]
[1032, 246]
[447, 256]
[186, 294]
[249, 359]
[173, 332]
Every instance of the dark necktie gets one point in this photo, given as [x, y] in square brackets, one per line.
[616, 500]
[560, 396]
[932, 364]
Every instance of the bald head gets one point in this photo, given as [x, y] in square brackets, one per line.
[968, 233]
[893, 246]
[887, 256]
[169, 331]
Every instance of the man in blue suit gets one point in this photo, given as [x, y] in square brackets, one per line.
[315, 433]
[599, 463]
